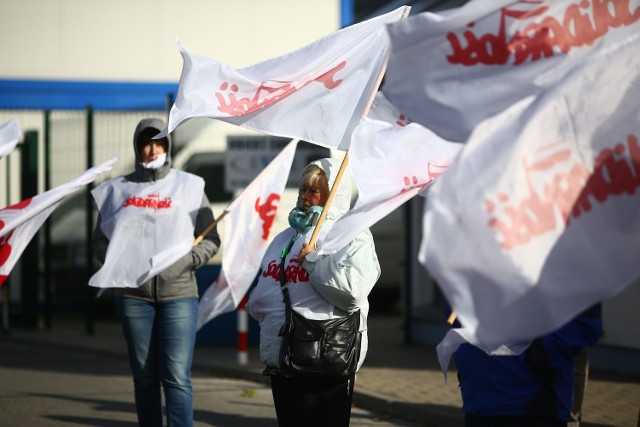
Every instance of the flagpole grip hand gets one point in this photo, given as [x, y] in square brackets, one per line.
[307, 248]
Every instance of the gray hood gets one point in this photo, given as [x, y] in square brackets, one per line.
[141, 174]
[150, 123]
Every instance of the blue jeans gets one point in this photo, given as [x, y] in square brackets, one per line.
[160, 337]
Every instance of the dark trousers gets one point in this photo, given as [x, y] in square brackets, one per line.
[312, 401]
[505, 421]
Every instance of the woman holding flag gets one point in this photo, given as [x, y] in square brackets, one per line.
[320, 287]
[155, 211]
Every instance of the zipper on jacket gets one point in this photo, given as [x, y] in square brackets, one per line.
[154, 289]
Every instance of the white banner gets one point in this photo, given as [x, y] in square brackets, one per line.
[20, 222]
[247, 231]
[451, 70]
[539, 217]
[385, 111]
[9, 136]
[316, 93]
[390, 164]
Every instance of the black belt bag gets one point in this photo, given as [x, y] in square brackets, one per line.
[318, 347]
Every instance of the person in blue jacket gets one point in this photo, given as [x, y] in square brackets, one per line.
[534, 388]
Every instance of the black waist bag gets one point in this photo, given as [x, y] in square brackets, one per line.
[320, 347]
[317, 347]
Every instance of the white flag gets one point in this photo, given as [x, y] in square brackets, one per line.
[247, 229]
[9, 136]
[20, 222]
[390, 164]
[458, 336]
[385, 111]
[317, 93]
[539, 218]
[451, 70]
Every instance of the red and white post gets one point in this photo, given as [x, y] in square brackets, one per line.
[243, 328]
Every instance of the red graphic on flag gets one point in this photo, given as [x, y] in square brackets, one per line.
[269, 92]
[570, 192]
[583, 24]
[5, 247]
[410, 183]
[267, 212]
[434, 170]
[402, 120]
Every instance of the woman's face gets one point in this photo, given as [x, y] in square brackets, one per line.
[311, 196]
[151, 150]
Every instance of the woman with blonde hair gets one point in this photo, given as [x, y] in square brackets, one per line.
[320, 287]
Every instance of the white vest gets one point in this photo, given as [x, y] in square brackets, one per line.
[150, 225]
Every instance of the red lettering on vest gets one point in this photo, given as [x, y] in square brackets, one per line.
[293, 273]
[152, 201]
[571, 192]
[582, 24]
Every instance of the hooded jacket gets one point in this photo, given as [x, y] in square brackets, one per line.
[324, 287]
[178, 280]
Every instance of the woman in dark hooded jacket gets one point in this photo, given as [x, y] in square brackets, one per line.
[145, 240]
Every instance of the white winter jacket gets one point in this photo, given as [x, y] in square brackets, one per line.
[324, 287]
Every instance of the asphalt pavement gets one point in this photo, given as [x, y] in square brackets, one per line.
[53, 386]
[397, 380]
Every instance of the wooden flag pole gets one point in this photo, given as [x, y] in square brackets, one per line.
[345, 160]
[209, 228]
[452, 318]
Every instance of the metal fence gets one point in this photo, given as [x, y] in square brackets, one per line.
[51, 275]
[69, 142]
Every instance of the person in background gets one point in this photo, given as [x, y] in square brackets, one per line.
[532, 389]
[158, 319]
[320, 287]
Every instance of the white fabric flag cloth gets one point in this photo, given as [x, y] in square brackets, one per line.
[455, 337]
[247, 229]
[20, 222]
[390, 164]
[317, 93]
[539, 217]
[9, 136]
[385, 111]
[450, 70]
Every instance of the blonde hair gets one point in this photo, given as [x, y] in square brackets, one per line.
[314, 176]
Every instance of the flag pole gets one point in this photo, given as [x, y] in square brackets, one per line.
[345, 160]
[209, 228]
[452, 318]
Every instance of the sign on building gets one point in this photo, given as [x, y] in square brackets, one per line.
[248, 155]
